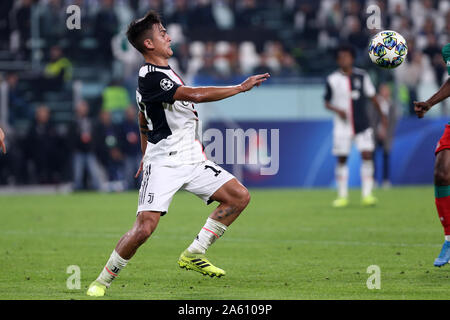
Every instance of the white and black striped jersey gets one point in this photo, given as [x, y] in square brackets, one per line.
[173, 125]
[350, 93]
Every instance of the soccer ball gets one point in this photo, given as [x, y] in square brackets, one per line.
[388, 49]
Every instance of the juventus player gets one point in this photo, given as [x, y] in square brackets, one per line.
[173, 157]
[346, 92]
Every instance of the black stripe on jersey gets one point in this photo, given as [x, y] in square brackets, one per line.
[359, 108]
[161, 129]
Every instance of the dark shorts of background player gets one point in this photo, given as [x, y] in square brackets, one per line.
[444, 142]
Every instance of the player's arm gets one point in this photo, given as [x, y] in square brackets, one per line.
[143, 130]
[341, 113]
[208, 94]
[420, 108]
[376, 104]
[327, 97]
[2, 141]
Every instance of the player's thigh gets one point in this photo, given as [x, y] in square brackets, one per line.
[342, 144]
[365, 143]
[159, 185]
[442, 168]
[206, 179]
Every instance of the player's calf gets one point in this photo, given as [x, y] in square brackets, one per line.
[233, 198]
[442, 200]
[144, 226]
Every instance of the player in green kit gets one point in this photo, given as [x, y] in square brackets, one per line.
[442, 163]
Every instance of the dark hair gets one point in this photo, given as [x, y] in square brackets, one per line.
[345, 48]
[138, 29]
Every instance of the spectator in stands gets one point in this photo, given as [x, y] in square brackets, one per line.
[129, 140]
[105, 27]
[433, 51]
[410, 75]
[108, 148]
[5, 23]
[52, 24]
[40, 142]
[58, 71]
[18, 107]
[180, 14]
[115, 99]
[246, 15]
[22, 24]
[289, 67]
[263, 66]
[208, 69]
[202, 15]
[81, 135]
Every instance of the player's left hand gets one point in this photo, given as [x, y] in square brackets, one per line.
[252, 81]
[420, 108]
[141, 165]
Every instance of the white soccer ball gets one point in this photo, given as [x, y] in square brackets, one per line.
[388, 49]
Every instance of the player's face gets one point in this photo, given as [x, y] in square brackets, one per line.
[345, 59]
[161, 41]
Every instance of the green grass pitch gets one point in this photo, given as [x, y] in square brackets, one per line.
[288, 244]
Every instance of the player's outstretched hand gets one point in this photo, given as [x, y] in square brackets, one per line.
[2, 141]
[420, 108]
[255, 80]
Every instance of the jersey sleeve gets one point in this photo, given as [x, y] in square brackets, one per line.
[369, 88]
[446, 56]
[157, 87]
[328, 93]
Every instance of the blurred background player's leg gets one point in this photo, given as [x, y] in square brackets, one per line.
[341, 173]
[367, 178]
[342, 143]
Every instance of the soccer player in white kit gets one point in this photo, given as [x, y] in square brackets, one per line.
[173, 156]
[347, 90]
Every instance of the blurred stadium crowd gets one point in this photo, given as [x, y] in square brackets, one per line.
[68, 95]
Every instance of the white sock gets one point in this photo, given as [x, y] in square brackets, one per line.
[211, 231]
[341, 173]
[111, 269]
[447, 238]
[367, 170]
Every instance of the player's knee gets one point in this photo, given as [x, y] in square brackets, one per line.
[242, 198]
[441, 176]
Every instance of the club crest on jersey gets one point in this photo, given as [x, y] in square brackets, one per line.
[166, 84]
[151, 196]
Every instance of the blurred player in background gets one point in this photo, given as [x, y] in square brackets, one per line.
[173, 156]
[442, 163]
[2, 141]
[347, 90]
[383, 137]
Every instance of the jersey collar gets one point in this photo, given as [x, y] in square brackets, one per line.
[159, 67]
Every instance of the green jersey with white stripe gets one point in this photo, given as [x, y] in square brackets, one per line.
[446, 56]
